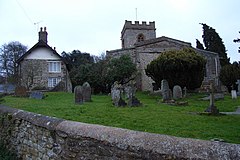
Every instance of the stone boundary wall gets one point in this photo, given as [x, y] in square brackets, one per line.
[34, 136]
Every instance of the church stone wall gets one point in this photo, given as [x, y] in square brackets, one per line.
[130, 37]
[131, 31]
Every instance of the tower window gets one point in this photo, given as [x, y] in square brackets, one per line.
[140, 38]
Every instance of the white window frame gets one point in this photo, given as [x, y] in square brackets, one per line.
[54, 66]
[53, 81]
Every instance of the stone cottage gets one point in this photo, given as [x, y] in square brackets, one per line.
[140, 42]
[42, 67]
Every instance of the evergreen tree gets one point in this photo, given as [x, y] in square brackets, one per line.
[179, 67]
[214, 43]
[199, 45]
[237, 41]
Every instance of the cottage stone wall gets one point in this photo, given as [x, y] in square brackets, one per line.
[34, 136]
[34, 73]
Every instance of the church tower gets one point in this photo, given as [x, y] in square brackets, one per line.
[133, 33]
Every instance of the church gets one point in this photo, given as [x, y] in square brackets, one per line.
[140, 42]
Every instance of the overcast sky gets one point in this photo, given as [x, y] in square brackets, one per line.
[94, 26]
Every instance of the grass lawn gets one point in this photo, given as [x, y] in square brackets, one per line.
[154, 117]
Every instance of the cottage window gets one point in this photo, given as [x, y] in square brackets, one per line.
[53, 81]
[54, 67]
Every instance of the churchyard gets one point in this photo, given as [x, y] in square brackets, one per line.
[152, 116]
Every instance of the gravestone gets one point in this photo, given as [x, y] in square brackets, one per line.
[21, 91]
[78, 92]
[116, 95]
[36, 95]
[165, 90]
[59, 87]
[128, 91]
[177, 92]
[212, 108]
[86, 92]
[238, 83]
[234, 94]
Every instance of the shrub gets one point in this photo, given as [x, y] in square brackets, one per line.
[229, 74]
[179, 67]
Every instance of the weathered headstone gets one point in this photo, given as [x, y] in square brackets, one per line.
[21, 91]
[116, 95]
[165, 90]
[238, 83]
[177, 92]
[78, 92]
[128, 91]
[86, 92]
[234, 94]
[36, 95]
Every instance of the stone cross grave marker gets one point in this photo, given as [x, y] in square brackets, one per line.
[212, 108]
[86, 92]
[78, 92]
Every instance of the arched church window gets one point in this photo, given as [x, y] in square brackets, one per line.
[140, 38]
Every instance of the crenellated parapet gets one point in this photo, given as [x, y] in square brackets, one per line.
[139, 26]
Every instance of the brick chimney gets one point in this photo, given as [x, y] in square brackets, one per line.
[43, 34]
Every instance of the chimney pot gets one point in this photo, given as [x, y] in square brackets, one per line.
[43, 34]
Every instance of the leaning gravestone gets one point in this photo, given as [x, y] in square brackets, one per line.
[165, 90]
[177, 92]
[21, 91]
[86, 92]
[78, 92]
[36, 95]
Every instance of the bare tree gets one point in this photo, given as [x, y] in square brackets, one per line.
[9, 54]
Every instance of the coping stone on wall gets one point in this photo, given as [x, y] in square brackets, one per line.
[37, 119]
[5, 109]
[40, 120]
[156, 143]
